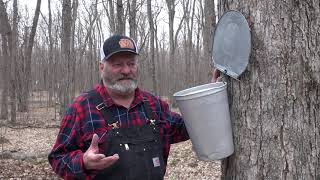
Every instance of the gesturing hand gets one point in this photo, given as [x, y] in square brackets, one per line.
[92, 159]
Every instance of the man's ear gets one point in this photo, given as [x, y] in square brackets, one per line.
[101, 66]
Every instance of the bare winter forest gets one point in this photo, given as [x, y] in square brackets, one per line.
[50, 53]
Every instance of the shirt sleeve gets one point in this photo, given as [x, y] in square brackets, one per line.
[177, 128]
[66, 157]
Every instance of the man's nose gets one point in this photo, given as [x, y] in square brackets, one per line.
[126, 69]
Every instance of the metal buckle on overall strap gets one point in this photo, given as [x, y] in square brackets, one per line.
[152, 122]
[100, 106]
[114, 125]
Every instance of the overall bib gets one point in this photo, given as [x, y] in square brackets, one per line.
[139, 147]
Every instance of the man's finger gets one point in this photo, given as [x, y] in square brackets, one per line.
[215, 75]
[94, 142]
[106, 162]
[97, 157]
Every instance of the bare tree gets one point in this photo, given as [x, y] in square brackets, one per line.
[50, 59]
[133, 19]
[275, 106]
[109, 9]
[152, 51]
[27, 80]
[9, 40]
[5, 31]
[120, 28]
[13, 63]
[172, 42]
[66, 53]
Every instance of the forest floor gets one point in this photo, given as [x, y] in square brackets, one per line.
[24, 147]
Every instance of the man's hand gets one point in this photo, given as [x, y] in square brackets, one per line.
[93, 160]
[215, 75]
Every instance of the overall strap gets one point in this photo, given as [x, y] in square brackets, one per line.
[107, 113]
[147, 108]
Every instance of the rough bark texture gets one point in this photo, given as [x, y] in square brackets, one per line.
[152, 52]
[120, 18]
[5, 31]
[27, 79]
[275, 106]
[66, 52]
[132, 5]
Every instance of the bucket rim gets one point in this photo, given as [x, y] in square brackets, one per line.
[183, 93]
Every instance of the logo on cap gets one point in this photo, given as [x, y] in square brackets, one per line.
[126, 43]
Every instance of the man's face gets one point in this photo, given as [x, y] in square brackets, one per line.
[120, 73]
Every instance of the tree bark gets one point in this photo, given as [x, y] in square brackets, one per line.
[132, 19]
[120, 18]
[5, 77]
[5, 31]
[151, 30]
[109, 8]
[13, 63]
[208, 28]
[28, 53]
[66, 54]
[275, 107]
[50, 58]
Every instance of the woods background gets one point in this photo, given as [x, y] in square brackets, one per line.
[49, 56]
[58, 52]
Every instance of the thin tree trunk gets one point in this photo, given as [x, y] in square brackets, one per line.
[275, 107]
[171, 12]
[120, 18]
[110, 14]
[5, 31]
[66, 45]
[50, 59]
[28, 53]
[132, 19]
[208, 28]
[14, 64]
[6, 77]
[73, 57]
[153, 67]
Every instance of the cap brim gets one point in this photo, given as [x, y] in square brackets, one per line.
[103, 57]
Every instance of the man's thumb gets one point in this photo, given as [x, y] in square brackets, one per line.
[94, 142]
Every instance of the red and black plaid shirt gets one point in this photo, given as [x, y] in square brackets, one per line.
[82, 120]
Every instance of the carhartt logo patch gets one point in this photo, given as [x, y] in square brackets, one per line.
[126, 43]
[156, 162]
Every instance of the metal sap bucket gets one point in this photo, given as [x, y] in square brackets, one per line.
[205, 111]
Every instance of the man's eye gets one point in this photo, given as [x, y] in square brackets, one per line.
[132, 64]
[117, 65]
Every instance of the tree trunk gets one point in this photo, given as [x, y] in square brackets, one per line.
[66, 50]
[50, 59]
[110, 15]
[5, 31]
[171, 12]
[208, 28]
[5, 77]
[27, 78]
[132, 19]
[73, 57]
[120, 18]
[14, 64]
[275, 107]
[151, 30]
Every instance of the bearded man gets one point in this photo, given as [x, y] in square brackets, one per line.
[116, 130]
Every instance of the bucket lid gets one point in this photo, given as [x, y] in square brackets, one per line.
[231, 44]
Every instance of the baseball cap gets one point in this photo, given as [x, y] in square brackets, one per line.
[117, 43]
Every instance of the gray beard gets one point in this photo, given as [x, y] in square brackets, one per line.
[122, 89]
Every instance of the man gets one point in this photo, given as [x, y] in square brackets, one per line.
[116, 131]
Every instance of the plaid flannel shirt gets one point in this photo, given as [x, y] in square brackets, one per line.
[82, 120]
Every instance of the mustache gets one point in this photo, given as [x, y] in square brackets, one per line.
[125, 77]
